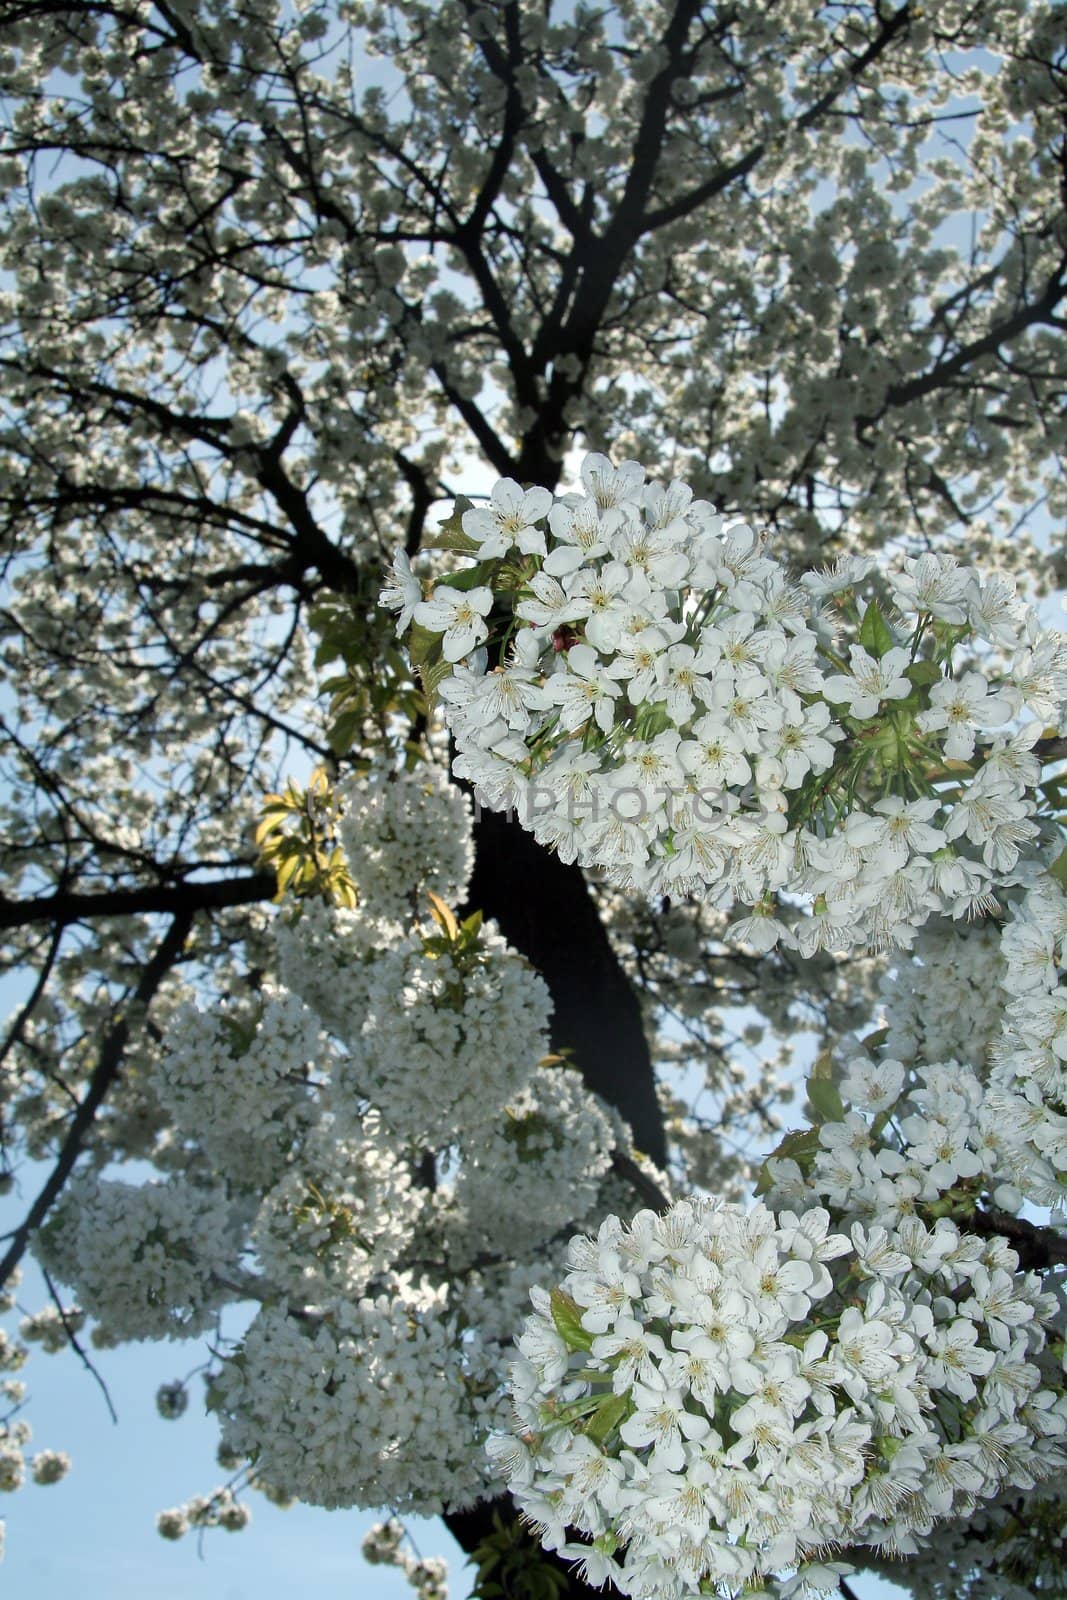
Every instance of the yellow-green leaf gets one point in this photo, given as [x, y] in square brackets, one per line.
[286, 872]
[566, 1314]
[430, 680]
[443, 916]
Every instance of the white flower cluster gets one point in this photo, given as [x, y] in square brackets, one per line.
[405, 834]
[707, 1403]
[380, 1403]
[51, 1328]
[997, 1127]
[943, 1135]
[324, 953]
[15, 1433]
[659, 700]
[1011, 1548]
[381, 1543]
[47, 1466]
[537, 1168]
[12, 1460]
[339, 1217]
[364, 1148]
[448, 1036]
[428, 1576]
[945, 1000]
[220, 1509]
[234, 1079]
[172, 1400]
[150, 1261]
[50, 1466]
[1028, 1086]
[383, 1546]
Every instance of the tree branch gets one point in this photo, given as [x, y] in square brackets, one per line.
[942, 372]
[686, 204]
[176, 899]
[76, 1345]
[108, 1067]
[1038, 1249]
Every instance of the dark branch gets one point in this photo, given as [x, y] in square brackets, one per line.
[77, 1346]
[108, 1067]
[175, 899]
[1038, 1249]
[686, 204]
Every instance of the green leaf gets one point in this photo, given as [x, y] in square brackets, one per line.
[450, 535]
[423, 645]
[566, 1314]
[607, 1416]
[344, 732]
[875, 634]
[822, 1091]
[922, 673]
[470, 577]
[800, 1146]
[826, 1100]
[342, 683]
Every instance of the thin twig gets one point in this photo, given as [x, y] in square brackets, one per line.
[106, 1071]
[15, 1031]
[76, 1346]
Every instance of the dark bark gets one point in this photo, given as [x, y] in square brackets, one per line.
[1038, 1248]
[545, 910]
[67, 906]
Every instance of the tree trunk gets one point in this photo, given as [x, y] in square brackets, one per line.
[544, 909]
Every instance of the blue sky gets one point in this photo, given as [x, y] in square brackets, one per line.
[94, 1534]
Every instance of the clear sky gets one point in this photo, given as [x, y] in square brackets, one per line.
[94, 1535]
